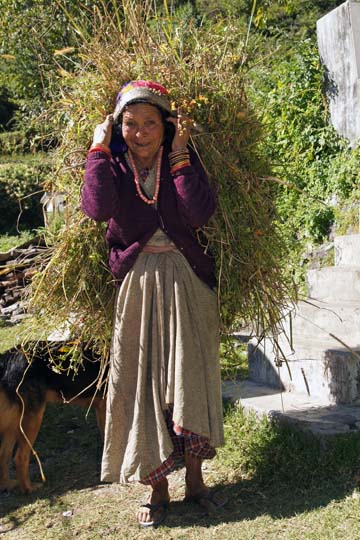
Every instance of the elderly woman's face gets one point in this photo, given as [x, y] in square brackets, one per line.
[143, 131]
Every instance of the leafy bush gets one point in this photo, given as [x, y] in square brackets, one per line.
[14, 142]
[20, 193]
[313, 164]
[8, 241]
[7, 106]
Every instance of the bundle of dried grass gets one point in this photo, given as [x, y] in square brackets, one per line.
[202, 69]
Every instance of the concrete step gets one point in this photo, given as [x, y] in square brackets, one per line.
[334, 284]
[314, 319]
[314, 366]
[347, 250]
[298, 409]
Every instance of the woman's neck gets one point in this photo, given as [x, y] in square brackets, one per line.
[144, 163]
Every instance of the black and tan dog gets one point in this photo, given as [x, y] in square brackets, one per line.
[38, 384]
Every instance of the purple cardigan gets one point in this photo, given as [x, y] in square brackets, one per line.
[185, 203]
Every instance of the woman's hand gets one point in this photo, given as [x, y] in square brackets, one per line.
[183, 126]
[102, 133]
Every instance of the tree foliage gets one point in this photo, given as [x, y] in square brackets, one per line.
[37, 40]
[20, 193]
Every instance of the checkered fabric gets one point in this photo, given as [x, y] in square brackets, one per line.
[183, 441]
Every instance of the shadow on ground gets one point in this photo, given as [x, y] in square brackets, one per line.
[70, 450]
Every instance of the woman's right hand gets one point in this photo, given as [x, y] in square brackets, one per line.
[102, 133]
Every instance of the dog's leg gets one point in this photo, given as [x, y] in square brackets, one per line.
[31, 425]
[8, 440]
[100, 410]
[9, 431]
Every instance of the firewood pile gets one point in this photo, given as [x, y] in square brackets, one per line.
[17, 266]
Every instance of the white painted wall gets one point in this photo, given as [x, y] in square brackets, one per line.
[339, 46]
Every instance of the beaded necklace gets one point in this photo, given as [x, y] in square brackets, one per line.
[144, 173]
[157, 181]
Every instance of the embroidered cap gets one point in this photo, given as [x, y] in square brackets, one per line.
[142, 91]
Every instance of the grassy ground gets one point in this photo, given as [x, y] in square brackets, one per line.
[8, 241]
[281, 485]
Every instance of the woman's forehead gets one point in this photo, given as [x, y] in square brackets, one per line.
[141, 110]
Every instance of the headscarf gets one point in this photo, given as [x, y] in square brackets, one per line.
[142, 92]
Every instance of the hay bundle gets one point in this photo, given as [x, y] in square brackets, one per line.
[202, 70]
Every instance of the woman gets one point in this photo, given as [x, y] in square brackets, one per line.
[164, 400]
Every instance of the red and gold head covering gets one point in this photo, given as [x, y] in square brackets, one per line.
[142, 91]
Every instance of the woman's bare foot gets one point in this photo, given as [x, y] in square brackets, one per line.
[153, 512]
[196, 489]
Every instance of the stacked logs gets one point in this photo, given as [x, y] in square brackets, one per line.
[17, 266]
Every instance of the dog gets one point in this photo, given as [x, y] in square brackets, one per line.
[30, 374]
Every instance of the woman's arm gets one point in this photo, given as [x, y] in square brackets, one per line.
[196, 200]
[99, 197]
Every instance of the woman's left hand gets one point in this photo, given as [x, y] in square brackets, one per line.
[183, 126]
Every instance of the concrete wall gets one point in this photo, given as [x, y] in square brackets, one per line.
[339, 46]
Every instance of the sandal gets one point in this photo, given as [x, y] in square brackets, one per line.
[209, 500]
[164, 506]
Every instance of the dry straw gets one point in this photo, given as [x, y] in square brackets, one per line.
[203, 70]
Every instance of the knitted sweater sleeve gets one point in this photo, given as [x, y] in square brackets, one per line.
[99, 195]
[196, 200]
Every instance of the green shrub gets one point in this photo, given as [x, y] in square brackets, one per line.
[14, 142]
[313, 163]
[8, 241]
[20, 193]
[7, 106]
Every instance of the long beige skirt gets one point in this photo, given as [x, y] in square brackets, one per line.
[165, 350]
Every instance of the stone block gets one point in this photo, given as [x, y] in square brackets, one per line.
[347, 249]
[315, 369]
[314, 319]
[334, 284]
